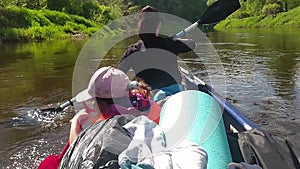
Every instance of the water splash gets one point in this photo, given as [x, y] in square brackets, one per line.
[37, 116]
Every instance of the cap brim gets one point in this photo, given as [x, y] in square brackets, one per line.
[83, 96]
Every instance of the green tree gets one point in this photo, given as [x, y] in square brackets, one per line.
[57, 5]
[254, 7]
[272, 9]
[126, 7]
[36, 4]
[190, 9]
[90, 10]
[263, 7]
[4, 3]
[31, 4]
[187, 9]
[290, 4]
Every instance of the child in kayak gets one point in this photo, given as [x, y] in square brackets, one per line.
[108, 92]
[139, 95]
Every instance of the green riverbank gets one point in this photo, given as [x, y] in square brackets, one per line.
[22, 24]
[25, 25]
[290, 19]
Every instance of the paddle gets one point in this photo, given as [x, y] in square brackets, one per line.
[60, 107]
[213, 14]
[227, 106]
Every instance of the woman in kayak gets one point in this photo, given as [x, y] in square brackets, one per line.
[108, 95]
[154, 57]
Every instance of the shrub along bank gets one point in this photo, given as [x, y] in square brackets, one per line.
[22, 24]
[290, 19]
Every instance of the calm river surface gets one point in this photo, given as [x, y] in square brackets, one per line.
[262, 71]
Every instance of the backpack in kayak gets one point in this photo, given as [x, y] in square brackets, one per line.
[99, 145]
[261, 147]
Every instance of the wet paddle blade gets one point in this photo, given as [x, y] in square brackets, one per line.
[219, 11]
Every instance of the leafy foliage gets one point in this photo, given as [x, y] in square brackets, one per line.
[24, 24]
[283, 19]
[265, 7]
[47, 19]
[271, 9]
[57, 5]
[44, 19]
[264, 13]
[187, 9]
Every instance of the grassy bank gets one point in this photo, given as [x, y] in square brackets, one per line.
[290, 19]
[22, 24]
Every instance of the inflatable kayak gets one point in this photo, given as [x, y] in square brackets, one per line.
[223, 131]
[201, 116]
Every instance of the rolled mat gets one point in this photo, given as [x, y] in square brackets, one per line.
[196, 117]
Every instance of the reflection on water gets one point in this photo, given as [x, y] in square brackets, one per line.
[263, 76]
[32, 76]
[262, 79]
[270, 64]
[36, 73]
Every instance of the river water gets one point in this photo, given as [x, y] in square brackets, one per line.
[262, 69]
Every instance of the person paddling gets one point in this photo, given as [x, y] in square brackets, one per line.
[154, 57]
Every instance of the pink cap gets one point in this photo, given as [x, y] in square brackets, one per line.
[106, 82]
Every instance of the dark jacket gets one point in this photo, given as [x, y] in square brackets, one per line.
[154, 59]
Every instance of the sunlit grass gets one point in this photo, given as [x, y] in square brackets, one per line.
[21, 24]
[289, 19]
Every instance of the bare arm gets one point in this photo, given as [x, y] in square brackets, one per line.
[76, 124]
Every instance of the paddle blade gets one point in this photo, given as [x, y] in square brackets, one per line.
[219, 11]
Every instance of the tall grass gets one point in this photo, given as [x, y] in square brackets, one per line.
[22, 24]
[290, 19]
